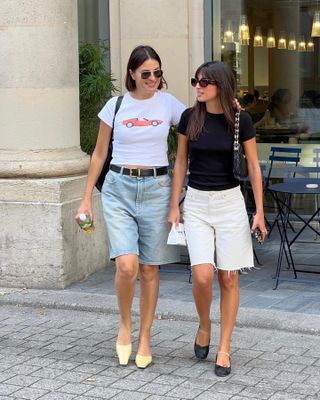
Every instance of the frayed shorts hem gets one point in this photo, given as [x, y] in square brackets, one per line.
[235, 269]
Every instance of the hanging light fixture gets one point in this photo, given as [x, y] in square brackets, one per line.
[310, 46]
[292, 44]
[315, 32]
[258, 39]
[228, 35]
[271, 40]
[302, 44]
[243, 35]
[282, 42]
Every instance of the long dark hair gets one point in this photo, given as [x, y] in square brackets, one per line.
[139, 55]
[223, 75]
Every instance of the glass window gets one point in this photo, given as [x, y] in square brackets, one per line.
[276, 61]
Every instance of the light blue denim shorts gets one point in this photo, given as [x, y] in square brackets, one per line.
[136, 211]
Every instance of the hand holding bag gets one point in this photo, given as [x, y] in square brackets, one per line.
[240, 169]
[107, 162]
[177, 236]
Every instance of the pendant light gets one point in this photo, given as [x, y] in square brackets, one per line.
[315, 32]
[228, 35]
[292, 44]
[243, 35]
[282, 42]
[258, 39]
[310, 46]
[271, 40]
[302, 44]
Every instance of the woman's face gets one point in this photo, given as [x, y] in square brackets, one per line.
[147, 77]
[208, 93]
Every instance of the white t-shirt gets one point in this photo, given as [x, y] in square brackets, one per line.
[141, 128]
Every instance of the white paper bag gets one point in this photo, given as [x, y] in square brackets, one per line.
[177, 236]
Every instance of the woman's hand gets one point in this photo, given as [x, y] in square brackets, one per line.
[85, 208]
[174, 216]
[259, 223]
[237, 106]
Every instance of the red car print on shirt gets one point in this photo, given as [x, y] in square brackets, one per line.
[129, 123]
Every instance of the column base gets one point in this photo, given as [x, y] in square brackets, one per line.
[41, 244]
[43, 163]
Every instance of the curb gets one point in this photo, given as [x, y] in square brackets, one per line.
[166, 309]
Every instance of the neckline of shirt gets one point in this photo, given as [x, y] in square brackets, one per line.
[143, 100]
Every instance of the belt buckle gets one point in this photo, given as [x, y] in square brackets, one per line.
[132, 172]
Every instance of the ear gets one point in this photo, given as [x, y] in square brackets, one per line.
[132, 74]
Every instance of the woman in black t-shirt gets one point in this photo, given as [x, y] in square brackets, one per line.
[215, 217]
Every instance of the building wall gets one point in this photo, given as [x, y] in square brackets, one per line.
[173, 27]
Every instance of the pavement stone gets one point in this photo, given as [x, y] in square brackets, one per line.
[263, 366]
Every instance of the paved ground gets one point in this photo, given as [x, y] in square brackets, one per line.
[60, 344]
[59, 354]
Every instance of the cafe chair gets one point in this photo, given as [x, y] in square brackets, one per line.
[305, 175]
[316, 158]
[283, 156]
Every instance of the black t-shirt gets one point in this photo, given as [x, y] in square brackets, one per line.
[211, 155]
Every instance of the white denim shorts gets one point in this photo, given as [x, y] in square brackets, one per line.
[136, 211]
[217, 229]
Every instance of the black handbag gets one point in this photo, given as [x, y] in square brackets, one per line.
[240, 169]
[107, 162]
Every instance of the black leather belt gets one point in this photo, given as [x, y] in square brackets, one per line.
[136, 172]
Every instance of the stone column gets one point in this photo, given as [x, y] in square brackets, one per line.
[42, 168]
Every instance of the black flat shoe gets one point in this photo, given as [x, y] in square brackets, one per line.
[201, 352]
[221, 370]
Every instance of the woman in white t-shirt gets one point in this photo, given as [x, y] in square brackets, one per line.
[136, 192]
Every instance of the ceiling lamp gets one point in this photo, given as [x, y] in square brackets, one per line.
[310, 46]
[292, 44]
[282, 42]
[243, 35]
[258, 39]
[228, 35]
[315, 32]
[271, 40]
[302, 44]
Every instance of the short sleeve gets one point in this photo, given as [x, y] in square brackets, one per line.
[177, 109]
[183, 123]
[107, 113]
[247, 130]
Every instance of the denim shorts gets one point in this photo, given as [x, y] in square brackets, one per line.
[136, 211]
[217, 229]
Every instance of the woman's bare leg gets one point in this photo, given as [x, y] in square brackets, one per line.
[149, 291]
[127, 267]
[202, 281]
[229, 304]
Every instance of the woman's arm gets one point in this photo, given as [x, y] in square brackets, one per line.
[179, 174]
[250, 149]
[98, 158]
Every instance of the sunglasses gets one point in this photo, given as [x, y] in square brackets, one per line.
[146, 74]
[203, 82]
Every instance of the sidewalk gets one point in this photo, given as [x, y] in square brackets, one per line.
[50, 354]
[294, 306]
[60, 344]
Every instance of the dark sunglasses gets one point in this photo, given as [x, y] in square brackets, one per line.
[203, 82]
[157, 74]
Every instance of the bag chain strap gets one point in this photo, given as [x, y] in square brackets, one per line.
[236, 131]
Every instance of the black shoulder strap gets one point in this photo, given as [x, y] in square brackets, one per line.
[118, 104]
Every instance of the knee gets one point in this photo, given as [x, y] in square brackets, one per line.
[202, 281]
[148, 273]
[228, 280]
[127, 271]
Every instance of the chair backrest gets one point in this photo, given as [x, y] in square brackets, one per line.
[316, 158]
[284, 155]
[299, 172]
